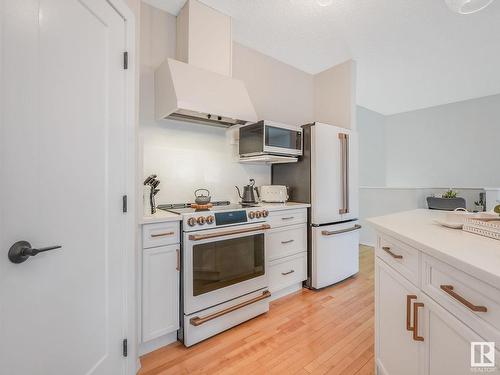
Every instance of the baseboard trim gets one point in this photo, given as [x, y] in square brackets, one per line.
[151, 346]
[284, 292]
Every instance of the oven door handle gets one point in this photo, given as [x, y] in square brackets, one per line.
[196, 321]
[199, 237]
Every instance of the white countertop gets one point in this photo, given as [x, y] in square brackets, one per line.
[163, 216]
[283, 206]
[476, 255]
[160, 217]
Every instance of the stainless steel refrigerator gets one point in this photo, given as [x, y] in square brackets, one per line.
[326, 176]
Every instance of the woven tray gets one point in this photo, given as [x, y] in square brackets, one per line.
[486, 228]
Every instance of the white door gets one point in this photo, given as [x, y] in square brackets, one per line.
[448, 343]
[396, 351]
[63, 174]
[334, 161]
[335, 253]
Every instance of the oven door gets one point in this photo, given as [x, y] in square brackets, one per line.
[282, 139]
[223, 264]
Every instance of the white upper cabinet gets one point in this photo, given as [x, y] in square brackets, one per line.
[204, 38]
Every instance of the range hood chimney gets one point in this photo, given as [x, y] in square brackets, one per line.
[197, 86]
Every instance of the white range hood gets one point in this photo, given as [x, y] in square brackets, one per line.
[189, 93]
[198, 86]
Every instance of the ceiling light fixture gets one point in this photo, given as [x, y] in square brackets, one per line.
[467, 6]
[324, 3]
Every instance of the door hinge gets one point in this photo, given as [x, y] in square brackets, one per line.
[125, 347]
[125, 60]
[124, 203]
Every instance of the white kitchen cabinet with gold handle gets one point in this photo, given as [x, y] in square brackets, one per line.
[437, 298]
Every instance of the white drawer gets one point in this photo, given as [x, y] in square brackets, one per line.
[285, 241]
[287, 271]
[160, 234]
[401, 257]
[461, 294]
[287, 217]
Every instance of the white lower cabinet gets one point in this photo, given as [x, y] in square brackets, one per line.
[396, 351]
[286, 251]
[160, 291]
[447, 342]
[417, 335]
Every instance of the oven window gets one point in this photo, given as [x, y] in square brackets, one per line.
[283, 138]
[226, 262]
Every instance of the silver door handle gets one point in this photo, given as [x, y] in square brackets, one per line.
[332, 233]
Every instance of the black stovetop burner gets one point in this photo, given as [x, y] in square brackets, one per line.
[185, 208]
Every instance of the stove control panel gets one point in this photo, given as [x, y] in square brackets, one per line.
[258, 214]
[212, 220]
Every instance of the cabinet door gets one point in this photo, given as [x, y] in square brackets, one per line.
[447, 342]
[160, 291]
[396, 351]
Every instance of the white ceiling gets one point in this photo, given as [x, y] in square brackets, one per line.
[411, 54]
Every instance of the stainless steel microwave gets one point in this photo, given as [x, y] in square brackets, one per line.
[268, 137]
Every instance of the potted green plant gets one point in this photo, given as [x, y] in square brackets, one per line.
[448, 201]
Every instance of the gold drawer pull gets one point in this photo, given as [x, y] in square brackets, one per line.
[285, 242]
[416, 337]
[388, 251]
[196, 321]
[162, 234]
[449, 289]
[408, 311]
[287, 273]
[199, 237]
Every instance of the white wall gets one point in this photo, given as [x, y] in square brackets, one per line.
[188, 156]
[335, 95]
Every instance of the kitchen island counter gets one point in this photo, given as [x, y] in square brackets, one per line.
[476, 255]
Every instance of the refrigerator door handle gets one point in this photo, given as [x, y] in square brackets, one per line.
[344, 164]
[333, 233]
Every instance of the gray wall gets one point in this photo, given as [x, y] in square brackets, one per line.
[453, 145]
[371, 130]
[450, 145]
[404, 156]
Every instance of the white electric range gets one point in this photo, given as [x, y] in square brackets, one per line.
[223, 268]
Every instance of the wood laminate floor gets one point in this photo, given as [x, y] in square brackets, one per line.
[309, 332]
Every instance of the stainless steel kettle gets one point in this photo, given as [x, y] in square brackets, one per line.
[248, 195]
